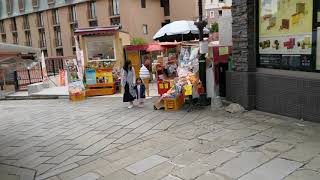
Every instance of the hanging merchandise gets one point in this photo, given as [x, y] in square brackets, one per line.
[76, 87]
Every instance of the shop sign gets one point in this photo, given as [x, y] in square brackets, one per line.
[285, 26]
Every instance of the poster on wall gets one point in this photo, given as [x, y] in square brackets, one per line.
[75, 84]
[285, 26]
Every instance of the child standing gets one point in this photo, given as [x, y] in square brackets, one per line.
[140, 91]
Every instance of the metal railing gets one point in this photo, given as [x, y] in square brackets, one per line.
[58, 42]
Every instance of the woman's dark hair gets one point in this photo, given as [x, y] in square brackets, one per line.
[126, 65]
[139, 79]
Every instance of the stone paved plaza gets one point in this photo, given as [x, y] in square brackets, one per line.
[101, 139]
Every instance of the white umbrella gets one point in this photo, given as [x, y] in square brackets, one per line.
[181, 30]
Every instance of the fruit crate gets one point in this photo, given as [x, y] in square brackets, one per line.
[173, 104]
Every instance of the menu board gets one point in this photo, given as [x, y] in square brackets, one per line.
[285, 26]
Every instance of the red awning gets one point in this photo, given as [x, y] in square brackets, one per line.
[154, 47]
[97, 30]
[136, 47]
[151, 47]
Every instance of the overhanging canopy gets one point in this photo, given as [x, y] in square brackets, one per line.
[10, 48]
[15, 56]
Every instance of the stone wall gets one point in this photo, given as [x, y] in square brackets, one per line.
[241, 83]
[243, 25]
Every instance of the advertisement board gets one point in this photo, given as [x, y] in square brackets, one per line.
[285, 26]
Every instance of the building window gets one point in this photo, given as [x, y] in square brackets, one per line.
[287, 42]
[115, 21]
[74, 50]
[42, 41]
[40, 20]
[115, 8]
[143, 4]
[15, 38]
[211, 14]
[13, 25]
[166, 7]
[45, 52]
[51, 1]
[57, 35]
[59, 52]
[28, 39]
[220, 1]
[26, 24]
[9, 6]
[55, 17]
[21, 5]
[92, 10]
[35, 3]
[73, 13]
[4, 38]
[145, 29]
[2, 27]
[220, 12]
[93, 23]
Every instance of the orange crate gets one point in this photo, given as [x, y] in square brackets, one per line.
[173, 104]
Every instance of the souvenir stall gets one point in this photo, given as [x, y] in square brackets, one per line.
[158, 58]
[185, 80]
[103, 58]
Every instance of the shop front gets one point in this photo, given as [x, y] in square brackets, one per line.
[103, 58]
[276, 56]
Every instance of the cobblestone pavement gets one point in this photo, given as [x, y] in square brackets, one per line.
[101, 139]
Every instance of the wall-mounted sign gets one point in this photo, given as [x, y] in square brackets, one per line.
[285, 26]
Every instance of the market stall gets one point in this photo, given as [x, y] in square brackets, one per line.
[103, 58]
[182, 74]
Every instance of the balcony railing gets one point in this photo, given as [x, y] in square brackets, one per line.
[40, 24]
[42, 44]
[58, 43]
[93, 22]
[74, 25]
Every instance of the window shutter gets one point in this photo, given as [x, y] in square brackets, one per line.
[9, 6]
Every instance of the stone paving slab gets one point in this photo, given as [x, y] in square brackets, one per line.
[100, 138]
[276, 169]
[146, 164]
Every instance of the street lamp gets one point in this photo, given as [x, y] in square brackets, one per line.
[201, 24]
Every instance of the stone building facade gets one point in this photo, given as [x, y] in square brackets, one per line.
[289, 92]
